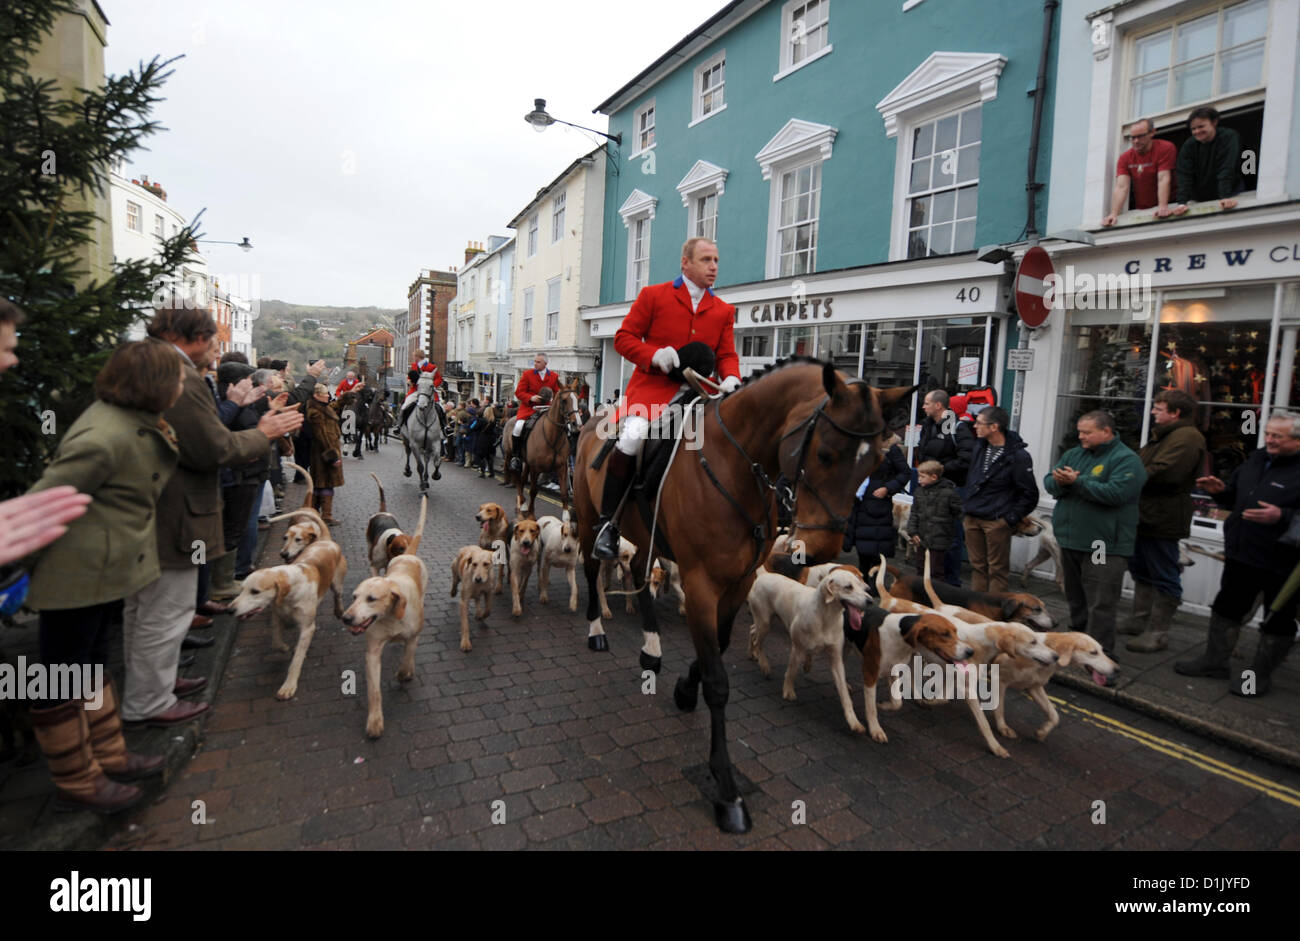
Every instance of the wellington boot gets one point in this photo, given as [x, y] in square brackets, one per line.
[1160, 617]
[109, 746]
[1269, 654]
[327, 509]
[224, 584]
[64, 736]
[1144, 594]
[1219, 644]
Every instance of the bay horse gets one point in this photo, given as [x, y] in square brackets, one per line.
[422, 434]
[799, 418]
[548, 449]
[377, 421]
[360, 407]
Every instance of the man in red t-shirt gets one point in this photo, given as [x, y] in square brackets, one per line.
[1147, 168]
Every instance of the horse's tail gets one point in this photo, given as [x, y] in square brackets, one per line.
[306, 500]
[383, 504]
[419, 529]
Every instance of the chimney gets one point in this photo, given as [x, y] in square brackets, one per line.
[472, 249]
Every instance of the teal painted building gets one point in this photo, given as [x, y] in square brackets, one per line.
[849, 158]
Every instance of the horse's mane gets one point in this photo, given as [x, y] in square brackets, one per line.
[788, 361]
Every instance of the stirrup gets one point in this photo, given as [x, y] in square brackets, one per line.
[607, 540]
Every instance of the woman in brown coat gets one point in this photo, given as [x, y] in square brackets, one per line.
[121, 452]
[326, 450]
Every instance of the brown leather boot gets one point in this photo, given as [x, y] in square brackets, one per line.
[109, 746]
[327, 510]
[80, 783]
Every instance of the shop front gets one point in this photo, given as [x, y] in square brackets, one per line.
[1215, 314]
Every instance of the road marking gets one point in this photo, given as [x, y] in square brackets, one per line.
[1287, 795]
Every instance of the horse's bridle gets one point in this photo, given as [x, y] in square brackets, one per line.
[788, 495]
[565, 423]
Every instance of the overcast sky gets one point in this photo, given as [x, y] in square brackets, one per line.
[277, 100]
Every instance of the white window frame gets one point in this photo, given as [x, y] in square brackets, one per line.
[785, 63]
[1172, 114]
[954, 188]
[797, 145]
[532, 235]
[158, 228]
[815, 165]
[945, 83]
[704, 179]
[637, 149]
[552, 335]
[1110, 100]
[639, 207]
[526, 330]
[134, 218]
[557, 216]
[697, 92]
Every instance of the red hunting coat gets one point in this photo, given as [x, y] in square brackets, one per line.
[531, 384]
[662, 317]
[427, 366]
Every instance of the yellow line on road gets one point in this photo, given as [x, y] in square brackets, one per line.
[1273, 789]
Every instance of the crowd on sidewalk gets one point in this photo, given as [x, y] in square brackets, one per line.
[1116, 511]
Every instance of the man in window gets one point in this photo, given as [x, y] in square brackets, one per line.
[1147, 169]
[1208, 163]
[664, 318]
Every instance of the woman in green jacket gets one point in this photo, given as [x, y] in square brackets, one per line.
[121, 453]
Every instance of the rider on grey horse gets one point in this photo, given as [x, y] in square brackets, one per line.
[413, 378]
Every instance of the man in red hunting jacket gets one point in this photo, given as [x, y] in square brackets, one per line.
[424, 364]
[664, 318]
[529, 394]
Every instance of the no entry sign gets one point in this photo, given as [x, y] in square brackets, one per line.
[1030, 287]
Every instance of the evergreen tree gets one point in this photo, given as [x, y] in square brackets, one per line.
[55, 155]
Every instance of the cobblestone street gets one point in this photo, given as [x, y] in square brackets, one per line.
[530, 740]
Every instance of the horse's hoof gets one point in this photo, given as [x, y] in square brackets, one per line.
[598, 642]
[651, 663]
[437, 475]
[406, 473]
[685, 696]
[732, 817]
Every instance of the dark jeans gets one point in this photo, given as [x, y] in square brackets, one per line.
[1237, 591]
[78, 636]
[1093, 591]
[205, 584]
[237, 503]
[1155, 561]
[248, 542]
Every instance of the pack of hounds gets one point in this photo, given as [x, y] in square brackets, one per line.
[822, 607]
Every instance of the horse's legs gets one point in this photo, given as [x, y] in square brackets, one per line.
[595, 630]
[651, 652]
[406, 444]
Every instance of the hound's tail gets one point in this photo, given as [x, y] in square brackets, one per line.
[311, 488]
[419, 530]
[383, 504]
[881, 590]
[935, 601]
[308, 512]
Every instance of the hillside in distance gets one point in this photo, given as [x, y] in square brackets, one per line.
[301, 333]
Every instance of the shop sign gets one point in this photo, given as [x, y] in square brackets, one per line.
[788, 311]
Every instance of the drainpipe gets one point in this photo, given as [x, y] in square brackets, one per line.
[1040, 88]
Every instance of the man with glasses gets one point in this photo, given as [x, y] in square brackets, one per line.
[1147, 168]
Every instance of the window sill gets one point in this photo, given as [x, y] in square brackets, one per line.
[795, 68]
[707, 116]
[638, 153]
[1135, 217]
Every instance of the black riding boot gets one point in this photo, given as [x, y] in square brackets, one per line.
[518, 451]
[617, 476]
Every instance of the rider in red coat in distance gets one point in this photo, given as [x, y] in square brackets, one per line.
[528, 392]
[664, 318]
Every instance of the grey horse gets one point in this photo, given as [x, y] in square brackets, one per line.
[422, 434]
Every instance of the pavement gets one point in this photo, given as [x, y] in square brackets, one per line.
[531, 740]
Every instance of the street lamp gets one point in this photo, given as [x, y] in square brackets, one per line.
[246, 245]
[540, 121]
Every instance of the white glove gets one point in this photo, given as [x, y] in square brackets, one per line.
[730, 384]
[665, 359]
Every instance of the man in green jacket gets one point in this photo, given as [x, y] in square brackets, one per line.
[1172, 459]
[1096, 487]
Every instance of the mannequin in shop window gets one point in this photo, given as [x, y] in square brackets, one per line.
[1190, 375]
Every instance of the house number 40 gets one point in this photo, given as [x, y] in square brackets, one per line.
[971, 294]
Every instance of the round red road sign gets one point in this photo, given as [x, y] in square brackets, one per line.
[1031, 285]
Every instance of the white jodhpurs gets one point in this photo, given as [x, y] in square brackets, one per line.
[636, 428]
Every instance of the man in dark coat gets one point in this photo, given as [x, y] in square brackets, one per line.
[871, 524]
[1263, 494]
[1172, 459]
[1000, 492]
[951, 442]
[1208, 163]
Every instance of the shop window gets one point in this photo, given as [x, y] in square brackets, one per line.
[890, 354]
[793, 341]
[756, 344]
[953, 356]
[840, 344]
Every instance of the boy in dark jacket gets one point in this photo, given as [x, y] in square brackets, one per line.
[1000, 492]
[871, 524]
[936, 514]
[950, 441]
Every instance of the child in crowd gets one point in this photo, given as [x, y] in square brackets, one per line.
[936, 514]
